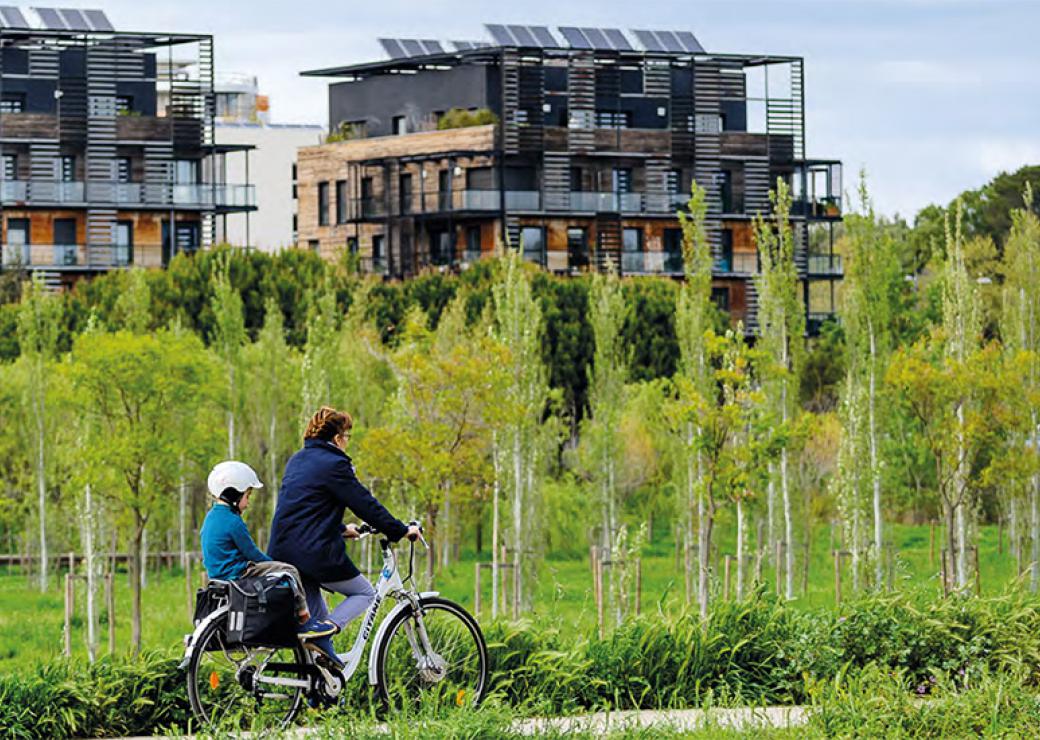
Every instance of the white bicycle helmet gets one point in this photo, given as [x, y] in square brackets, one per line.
[231, 474]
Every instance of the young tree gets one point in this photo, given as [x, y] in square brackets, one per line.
[39, 316]
[518, 326]
[229, 336]
[693, 311]
[1020, 331]
[136, 388]
[871, 293]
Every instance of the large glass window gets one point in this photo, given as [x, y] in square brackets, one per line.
[65, 241]
[405, 192]
[124, 252]
[578, 246]
[16, 251]
[341, 201]
[323, 204]
[186, 171]
[673, 239]
[533, 240]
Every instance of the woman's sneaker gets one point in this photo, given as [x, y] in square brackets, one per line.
[314, 628]
[324, 646]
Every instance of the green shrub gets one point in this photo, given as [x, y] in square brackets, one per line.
[462, 118]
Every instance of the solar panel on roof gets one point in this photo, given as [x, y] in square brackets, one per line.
[432, 47]
[617, 39]
[12, 17]
[393, 48]
[545, 38]
[413, 47]
[523, 36]
[462, 45]
[500, 34]
[74, 19]
[98, 20]
[689, 42]
[575, 38]
[596, 38]
[670, 42]
[51, 20]
[649, 40]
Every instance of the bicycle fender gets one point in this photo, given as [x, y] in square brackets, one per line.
[372, 654]
[190, 647]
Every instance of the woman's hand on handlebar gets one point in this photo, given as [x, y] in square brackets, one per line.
[414, 532]
[351, 532]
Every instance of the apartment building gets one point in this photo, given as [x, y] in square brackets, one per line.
[594, 137]
[109, 155]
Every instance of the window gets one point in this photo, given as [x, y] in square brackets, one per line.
[341, 202]
[10, 166]
[67, 168]
[555, 79]
[188, 236]
[65, 241]
[12, 103]
[720, 297]
[16, 251]
[631, 81]
[186, 171]
[444, 190]
[323, 204]
[398, 126]
[441, 248]
[577, 246]
[675, 186]
[405, 192]
[352, 245]
[726, 250]
[581, 119]
[632, 240]
[123, 169]
[673, 240]
[377, 247]
[314, 245]
[725, 179]
[124, 105]
[294, 181]
[613, 119]
[577, 179]
[472, 243]
[124, 251]
[532, 238]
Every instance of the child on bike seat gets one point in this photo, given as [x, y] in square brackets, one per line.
[228, 551]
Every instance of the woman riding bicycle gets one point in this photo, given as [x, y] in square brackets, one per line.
[307, 530]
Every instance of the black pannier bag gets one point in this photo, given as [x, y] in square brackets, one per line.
[208, 600]
[262, 611]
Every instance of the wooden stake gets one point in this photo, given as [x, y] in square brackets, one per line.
[779, 566]
[476, 590]
[726, 571]
[837, 577]
[110, 607]
[70, 596]
[639, 586]
[978, 573]
[931, 544]
[944, 574]
[1000, 535]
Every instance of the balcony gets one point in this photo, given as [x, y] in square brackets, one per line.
[825, 265]
[200, 195]
[58, 256]
[738, 263]
[606, 202]
[651, 263]
[815, 320]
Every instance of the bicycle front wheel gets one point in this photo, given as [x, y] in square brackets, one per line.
[449, 668]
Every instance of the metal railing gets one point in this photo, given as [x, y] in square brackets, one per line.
[66, 255]
[651, 263]
[129, 193]
[739, 263]
[825, 264]
[609, 202]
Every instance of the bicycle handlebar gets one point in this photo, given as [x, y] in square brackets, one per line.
[365, 530]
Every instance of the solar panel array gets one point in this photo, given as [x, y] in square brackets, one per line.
[527, 37]
[56, 19]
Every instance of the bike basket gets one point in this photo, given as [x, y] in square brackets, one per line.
[261, 612]
[208, 600]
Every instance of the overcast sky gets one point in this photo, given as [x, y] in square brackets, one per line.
[930, 96]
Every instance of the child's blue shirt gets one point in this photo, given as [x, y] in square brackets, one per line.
[227, 548]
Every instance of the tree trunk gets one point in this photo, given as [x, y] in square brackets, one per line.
[788, 528]
[41, 487]
[704, 556]
[875, 465]
[961, 482]
[136, 562]
[770, 513]
[182, 519]
[88, 547]
[1034, 533]
[446, 527]
[854, 547]
[688, 537]
[951, 544]
[495, 492]
[740, 548]
[518, 509]
[431, 555]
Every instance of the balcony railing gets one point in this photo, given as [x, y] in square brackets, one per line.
[204, 195]
[816, 319]
[739, 263]
[825, 264]
[651, 263]
[67, 255]
[610, 202]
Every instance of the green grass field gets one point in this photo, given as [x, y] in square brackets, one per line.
[31, 622]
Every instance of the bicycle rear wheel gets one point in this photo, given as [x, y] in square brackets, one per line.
[453, 673]
[240, 688]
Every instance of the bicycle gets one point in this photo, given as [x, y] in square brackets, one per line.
[426, 649]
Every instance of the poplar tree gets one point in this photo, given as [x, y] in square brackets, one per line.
[693, 313]
[229, 336]
[519, 326]
[781, 324]
[39, 317]
[872, 282]
[1020, 331]
[319, 366]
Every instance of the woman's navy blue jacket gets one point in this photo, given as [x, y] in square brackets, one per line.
[319, 484]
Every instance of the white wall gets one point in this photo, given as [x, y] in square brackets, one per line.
[270, 171]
